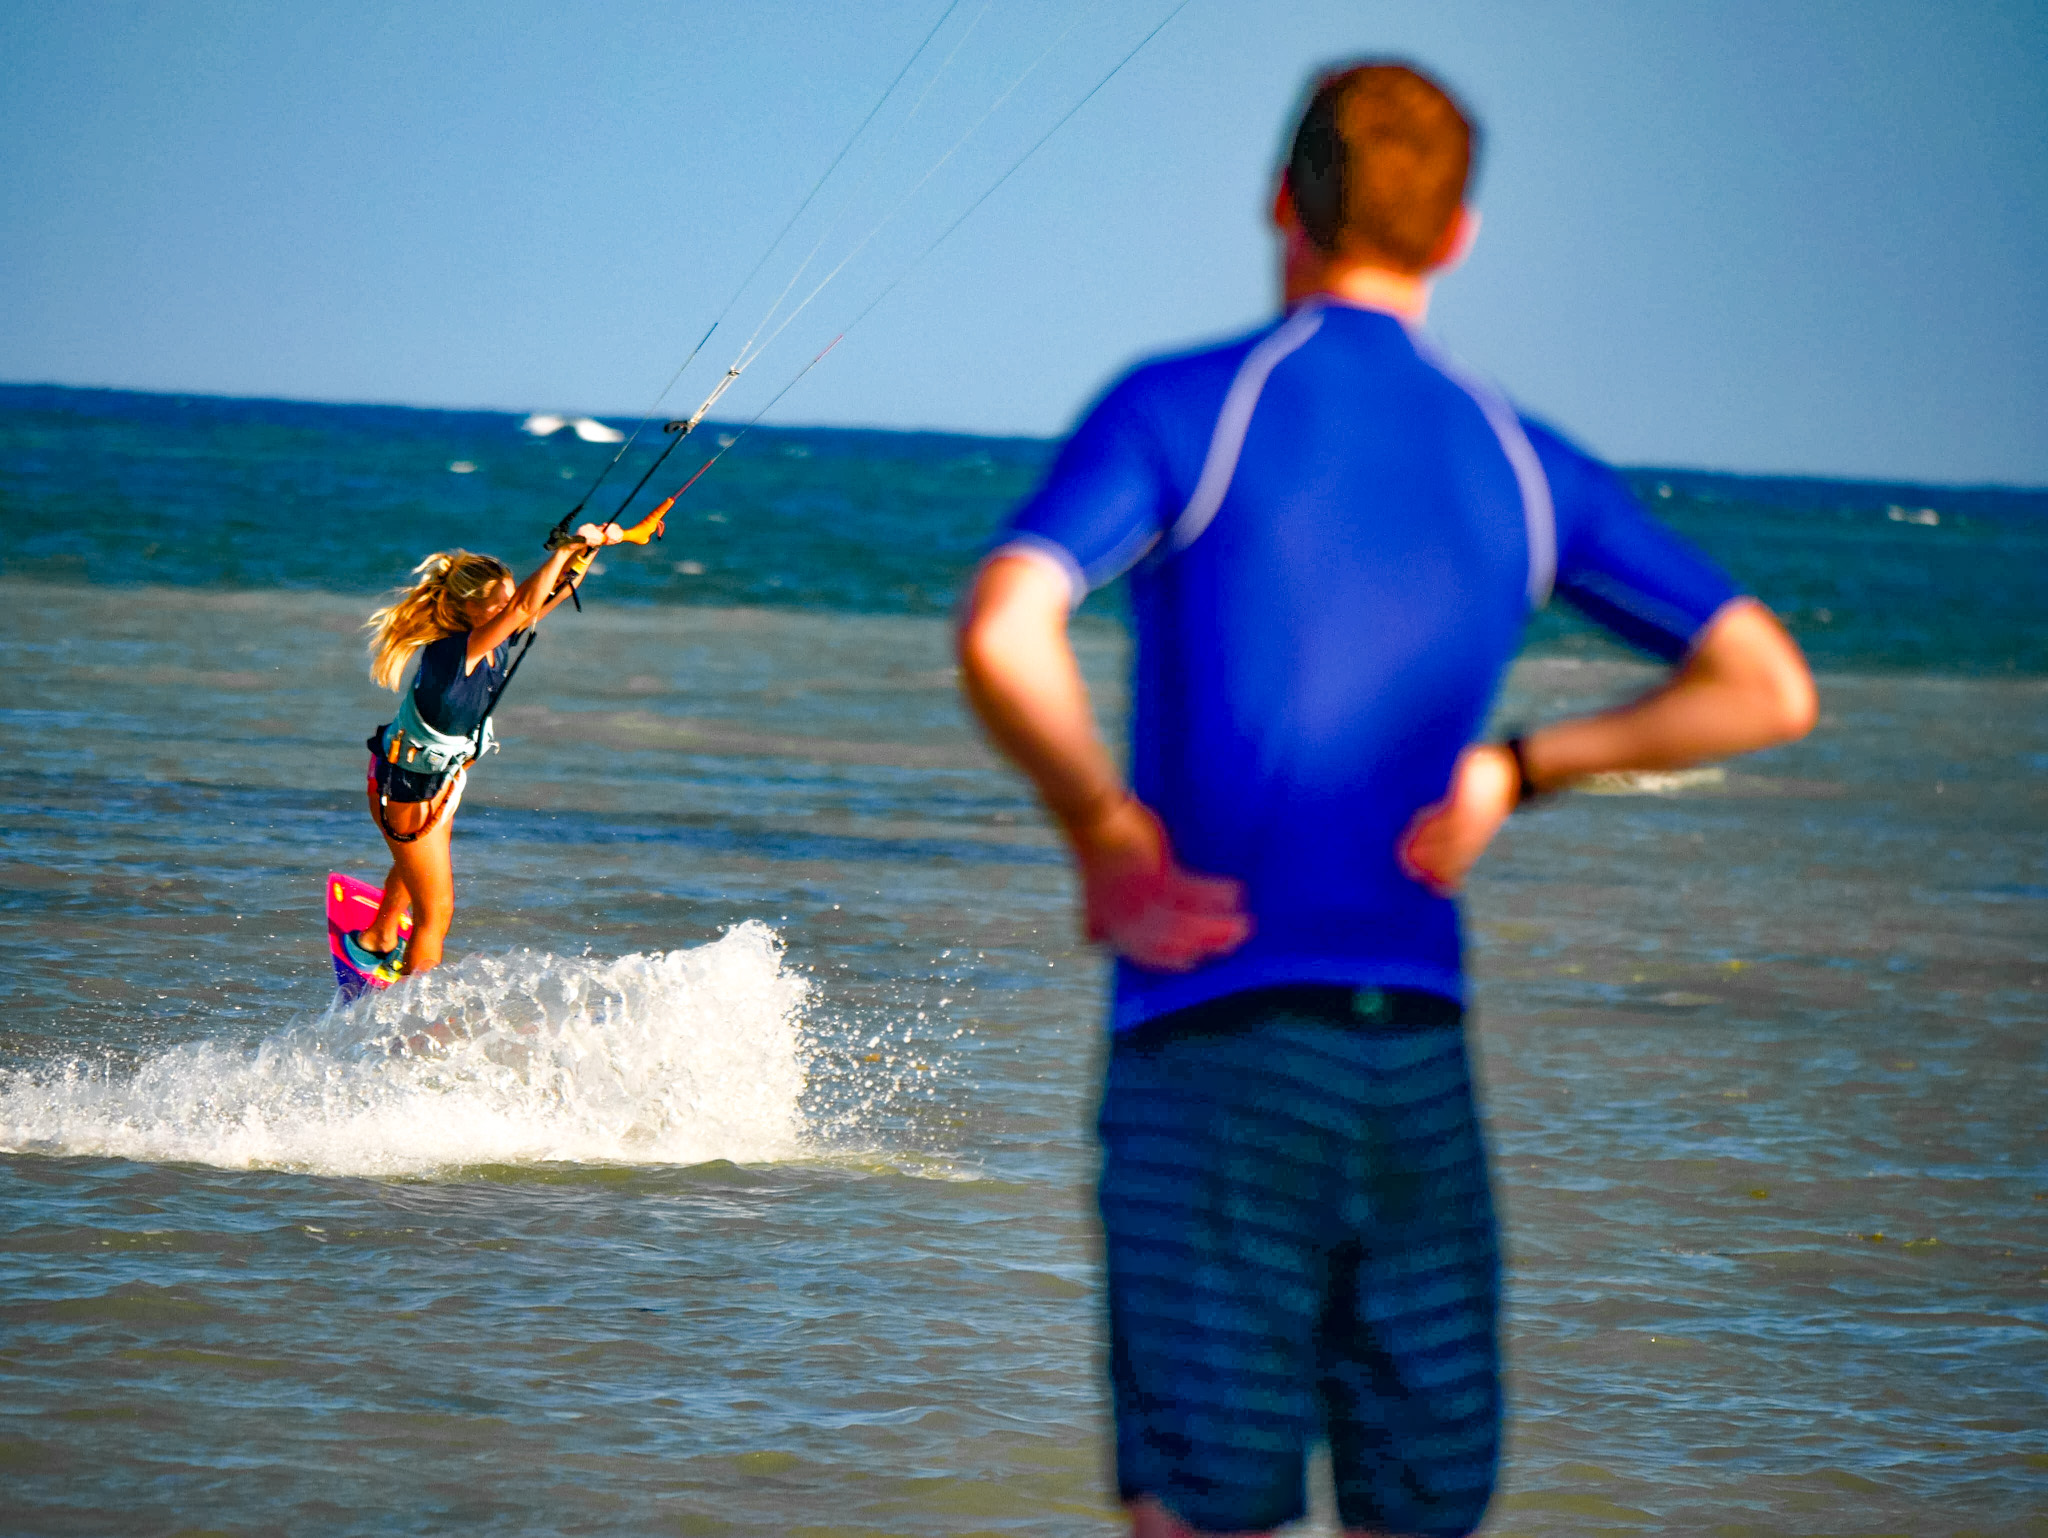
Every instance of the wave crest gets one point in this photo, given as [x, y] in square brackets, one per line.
[673, 1058]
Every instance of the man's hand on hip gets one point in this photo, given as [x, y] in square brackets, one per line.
[1744, 686]
[1140, 902]
[1445, 840]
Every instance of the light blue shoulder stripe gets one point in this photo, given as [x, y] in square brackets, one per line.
[1539, 515]
[1226, 443]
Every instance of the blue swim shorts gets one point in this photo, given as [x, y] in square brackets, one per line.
[1300, 1246]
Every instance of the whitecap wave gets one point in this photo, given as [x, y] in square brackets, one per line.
[676, 1058]
[590, 430]
[545, 424]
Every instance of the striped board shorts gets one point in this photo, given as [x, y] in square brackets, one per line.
[1300, 1246]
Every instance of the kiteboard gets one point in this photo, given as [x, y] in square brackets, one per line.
[351, 905]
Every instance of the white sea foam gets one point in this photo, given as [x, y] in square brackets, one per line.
[1652, 782]
[544, 424]
[677, 1058]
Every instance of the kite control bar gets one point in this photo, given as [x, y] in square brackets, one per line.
[649, 528]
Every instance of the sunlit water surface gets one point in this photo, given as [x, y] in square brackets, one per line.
[735, 1177]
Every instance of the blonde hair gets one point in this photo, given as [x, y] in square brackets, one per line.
[436, 605]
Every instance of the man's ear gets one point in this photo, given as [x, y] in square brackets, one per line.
[1286, 218]
[1456, 242]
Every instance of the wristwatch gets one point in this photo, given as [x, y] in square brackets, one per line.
[1526, 790]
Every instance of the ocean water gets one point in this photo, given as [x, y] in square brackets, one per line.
[734, 1177]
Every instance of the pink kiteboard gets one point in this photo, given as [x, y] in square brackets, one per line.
[351, 905]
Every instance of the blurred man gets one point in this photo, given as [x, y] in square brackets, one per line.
[1335, 537]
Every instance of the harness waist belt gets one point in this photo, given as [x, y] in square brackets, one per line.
[409, 743]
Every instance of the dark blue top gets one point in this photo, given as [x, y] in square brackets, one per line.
[446, 699]
[1335, 538]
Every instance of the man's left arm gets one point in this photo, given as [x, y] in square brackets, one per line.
[1738, 682]
[1745, 686]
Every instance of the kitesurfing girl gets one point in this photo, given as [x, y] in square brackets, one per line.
[462, 614]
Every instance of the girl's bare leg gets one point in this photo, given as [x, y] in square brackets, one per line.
[423, 879]
[425, 868]
[382, 931]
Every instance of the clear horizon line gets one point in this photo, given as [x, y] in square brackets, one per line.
[629, 417]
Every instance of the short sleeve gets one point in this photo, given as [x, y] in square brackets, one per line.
[1616, 564]
[1102, 506]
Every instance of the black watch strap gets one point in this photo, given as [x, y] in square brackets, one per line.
[1526, 791]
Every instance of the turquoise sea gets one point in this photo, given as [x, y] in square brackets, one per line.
[735, 1177]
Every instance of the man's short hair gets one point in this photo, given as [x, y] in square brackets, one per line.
[1379, 164]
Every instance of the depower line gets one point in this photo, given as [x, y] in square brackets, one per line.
[1015, 165]
[782, 234]
[755, 346]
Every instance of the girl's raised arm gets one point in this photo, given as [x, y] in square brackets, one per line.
[536, 596]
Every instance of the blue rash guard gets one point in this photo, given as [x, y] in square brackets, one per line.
[1335, 538]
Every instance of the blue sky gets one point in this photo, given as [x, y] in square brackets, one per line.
[1753, 236]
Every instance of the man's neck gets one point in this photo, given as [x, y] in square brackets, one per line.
[1400, 294]
[1307, 271]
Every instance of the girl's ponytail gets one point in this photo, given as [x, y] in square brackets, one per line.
[436, 605]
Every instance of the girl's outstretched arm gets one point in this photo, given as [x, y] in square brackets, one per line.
[536, 595]
[611, 534]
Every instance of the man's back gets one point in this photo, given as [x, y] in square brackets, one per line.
[1338, 538]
